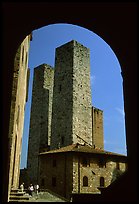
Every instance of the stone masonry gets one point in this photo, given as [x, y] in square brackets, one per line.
[41, 112]
[61, 111]
[71, 115]
[79, 169]
[19, 98]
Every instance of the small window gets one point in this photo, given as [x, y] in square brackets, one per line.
[53, 181]
[102, 183]
[84, 162]
[102, 163]
[23, 55]
[85, 181]
[62, 140]
[117, 165]
[54, 162]
[26, 59]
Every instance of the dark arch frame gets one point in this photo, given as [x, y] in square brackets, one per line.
[116, 23]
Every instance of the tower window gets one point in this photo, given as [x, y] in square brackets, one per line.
[62, 140]
[85, 181]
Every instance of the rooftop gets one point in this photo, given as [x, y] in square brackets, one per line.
[82, 148]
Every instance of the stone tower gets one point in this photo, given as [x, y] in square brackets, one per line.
[40, 122]
[72, 110]
[97, 128]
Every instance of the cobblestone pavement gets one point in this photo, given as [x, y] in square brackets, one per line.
[45, 197]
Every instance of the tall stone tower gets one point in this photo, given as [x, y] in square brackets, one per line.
[97, 128]
[72, 110]
[41, 112]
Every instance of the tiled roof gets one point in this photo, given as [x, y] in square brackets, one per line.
[81, 148]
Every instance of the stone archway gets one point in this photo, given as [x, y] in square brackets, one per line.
[112, 22]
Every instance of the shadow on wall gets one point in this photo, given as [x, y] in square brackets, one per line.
[116, 174]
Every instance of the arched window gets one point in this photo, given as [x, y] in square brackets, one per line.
[85, 181]
[102, 183]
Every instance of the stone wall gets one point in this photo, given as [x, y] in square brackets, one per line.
[68, 169]
[94, 170]
[55, 173]
[19, 97]
[71, 115]
[40, 122]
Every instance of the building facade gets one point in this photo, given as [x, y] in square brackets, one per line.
[18, 102]
[77, 169]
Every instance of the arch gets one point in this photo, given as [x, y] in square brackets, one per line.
[85, 181]
[119, 31]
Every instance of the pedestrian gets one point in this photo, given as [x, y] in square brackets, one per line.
[22, 187]
[31, 189]
[36, 187]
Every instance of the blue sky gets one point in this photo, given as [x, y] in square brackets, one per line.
[105, 75]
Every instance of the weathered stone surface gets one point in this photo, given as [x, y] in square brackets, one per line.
[70, 169]
[71, 116]
[40, 123]
[19, 96]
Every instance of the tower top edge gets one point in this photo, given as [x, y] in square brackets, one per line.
[72, 43]
[97, 109]
[43, 66]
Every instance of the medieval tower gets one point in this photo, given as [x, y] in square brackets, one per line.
[71, 116]
[61, 112]
[40, 123]
[97, 128]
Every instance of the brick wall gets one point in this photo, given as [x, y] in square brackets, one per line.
[97, 128]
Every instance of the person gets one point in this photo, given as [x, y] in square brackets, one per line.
[36, 188]
[22, 187]
[31, 189]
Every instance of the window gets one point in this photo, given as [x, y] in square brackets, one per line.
[102, 163]
[54, 162]
[26, 59]
[102, 183]
[117, 165]
[62, 140]
[85, 181]
[23, 55]
[53, 181]
[84, 162]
